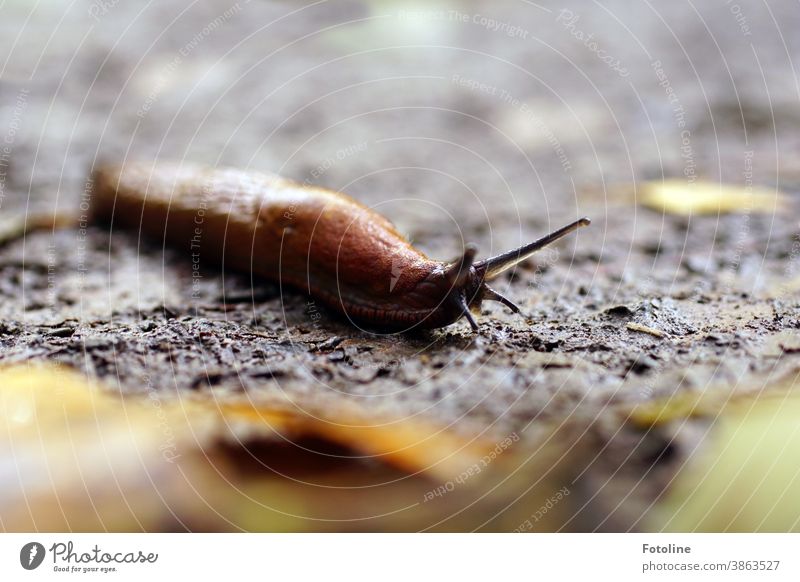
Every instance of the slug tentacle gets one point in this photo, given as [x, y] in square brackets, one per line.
[462, 303]
[492, 267]
[457, 274]
[490, 294]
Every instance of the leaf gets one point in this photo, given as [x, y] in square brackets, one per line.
[75, 456]
[16, 226]
[78, 457]
[746, 479]
[68, 454]
[679, 406]
[686, 199]
[410, 445]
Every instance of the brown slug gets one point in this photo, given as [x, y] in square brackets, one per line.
[322, 242]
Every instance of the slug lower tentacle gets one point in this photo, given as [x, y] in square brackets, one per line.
[319, 241]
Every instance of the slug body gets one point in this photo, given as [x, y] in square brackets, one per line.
[323, 242]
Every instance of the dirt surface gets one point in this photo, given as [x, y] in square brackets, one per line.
[491, 122]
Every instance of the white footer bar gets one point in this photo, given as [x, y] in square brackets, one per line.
[406, 557]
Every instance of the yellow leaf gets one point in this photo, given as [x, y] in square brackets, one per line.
[679, 406]
[75, 456]
[686, 199]
[746, 479]
[410, 445]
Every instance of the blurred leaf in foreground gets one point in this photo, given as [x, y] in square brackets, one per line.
[746, 478]
[78, 457]
[75, 456]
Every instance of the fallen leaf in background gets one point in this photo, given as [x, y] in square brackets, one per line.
[784, 288]
[397, 21]
[686, 199]
[15, 226]
[11, 228]
[710, 402]
[678, 407]
[747, 479]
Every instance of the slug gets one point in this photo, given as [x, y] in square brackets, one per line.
[325, 243]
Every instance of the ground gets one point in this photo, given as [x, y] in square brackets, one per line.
[489, 122]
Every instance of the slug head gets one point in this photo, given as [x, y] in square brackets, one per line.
[466, 280]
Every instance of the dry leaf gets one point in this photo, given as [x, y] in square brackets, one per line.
[686, 199]
[744, 475]
[74, 457]
[710, 402]
[746, 479]
[77, 457]
[17, 225]
[679, 406]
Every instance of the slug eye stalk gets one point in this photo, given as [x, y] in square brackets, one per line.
[457, 274]
[492, 267]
